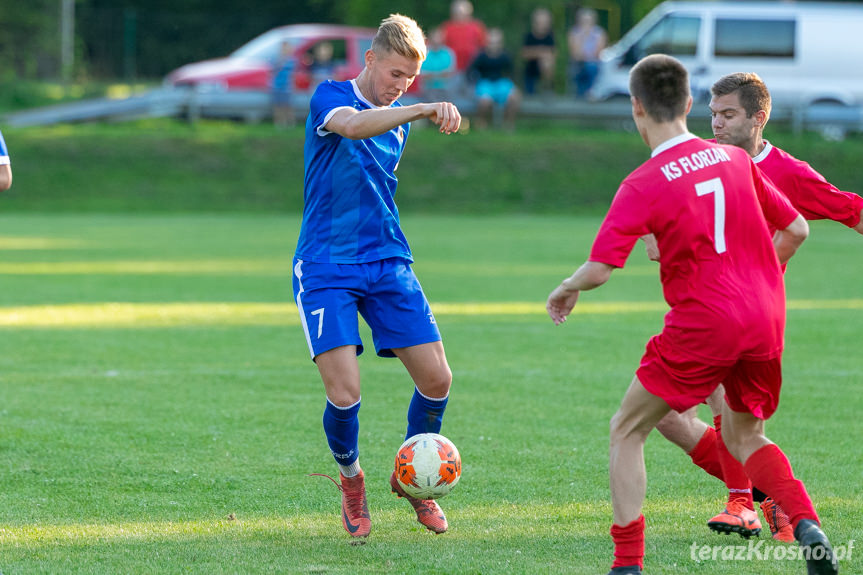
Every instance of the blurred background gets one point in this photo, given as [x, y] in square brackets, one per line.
[182, 99]
[143, 40]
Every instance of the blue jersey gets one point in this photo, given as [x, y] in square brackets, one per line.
[349, 215]
[4, 153]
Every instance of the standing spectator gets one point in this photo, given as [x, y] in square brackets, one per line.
[321, 67]
[539, 53]
[492, 69]
[438, 68]
[5, 166]
[586, 40]
[465, 36]
[281, 86]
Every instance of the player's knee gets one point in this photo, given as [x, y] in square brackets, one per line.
[675, 427]
[669, 426]
[437, 383]
[342, 398]
[624, 427]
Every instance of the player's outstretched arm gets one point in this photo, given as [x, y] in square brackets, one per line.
[788, 240]
[561, 301]
[362, 124]
[5, 177]
[859, 227]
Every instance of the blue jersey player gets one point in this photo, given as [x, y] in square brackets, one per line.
[5, 166]
[352, 256]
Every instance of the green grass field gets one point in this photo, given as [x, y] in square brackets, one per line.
[159, 412]
[165, 166]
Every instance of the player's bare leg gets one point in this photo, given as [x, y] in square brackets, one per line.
[684, 430]
[428, 367]
[767, 465]
[739, 515]
[340, 373]
[639, 413]
[777, 520]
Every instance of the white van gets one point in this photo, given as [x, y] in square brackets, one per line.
[806, 52]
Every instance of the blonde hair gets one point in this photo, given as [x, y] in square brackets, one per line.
[401, 35]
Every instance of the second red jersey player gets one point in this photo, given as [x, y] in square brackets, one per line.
[708, 207]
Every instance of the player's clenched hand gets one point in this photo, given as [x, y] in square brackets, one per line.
[445, 115]
[560, 303]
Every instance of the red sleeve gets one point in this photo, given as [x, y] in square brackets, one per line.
[818, 199]
[625, 222]
[777, 209]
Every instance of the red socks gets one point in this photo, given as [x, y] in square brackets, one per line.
[739, 487]
[628, 544]
[706, 456]
[769, 468]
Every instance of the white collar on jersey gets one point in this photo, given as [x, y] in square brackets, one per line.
[359, 95]
[684, 137]
[764, 153]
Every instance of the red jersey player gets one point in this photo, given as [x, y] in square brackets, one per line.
[740, 108]
[708, 208]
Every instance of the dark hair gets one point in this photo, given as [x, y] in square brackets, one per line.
[750, 89]
[661, 84]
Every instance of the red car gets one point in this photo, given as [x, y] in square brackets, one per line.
[321, 50]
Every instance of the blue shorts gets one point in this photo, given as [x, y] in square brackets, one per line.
[497, 90]
[386, 293]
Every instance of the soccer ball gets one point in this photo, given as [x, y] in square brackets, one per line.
[428, 466]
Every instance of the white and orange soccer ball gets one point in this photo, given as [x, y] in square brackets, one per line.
[428, 466]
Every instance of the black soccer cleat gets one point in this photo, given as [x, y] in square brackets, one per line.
[816, 549]
[628, 570]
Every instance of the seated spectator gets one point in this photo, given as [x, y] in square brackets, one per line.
[438, 68]
[539, 53]
[492, 70]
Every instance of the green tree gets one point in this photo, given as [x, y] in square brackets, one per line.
[29, 38]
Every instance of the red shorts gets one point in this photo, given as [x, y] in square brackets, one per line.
[750, 386]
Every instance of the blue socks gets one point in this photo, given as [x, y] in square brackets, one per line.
[342, 427]
[425, 414]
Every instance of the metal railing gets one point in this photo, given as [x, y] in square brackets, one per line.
[832, 121]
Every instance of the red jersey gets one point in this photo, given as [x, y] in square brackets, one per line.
[813, 196]
[709, 208]
[464, 37]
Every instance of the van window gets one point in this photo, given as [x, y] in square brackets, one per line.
[754, 38]
[673, 35]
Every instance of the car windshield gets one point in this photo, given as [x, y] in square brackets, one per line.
[265, 47]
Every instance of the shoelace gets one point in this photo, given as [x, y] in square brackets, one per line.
[336, 483]
[354, 500]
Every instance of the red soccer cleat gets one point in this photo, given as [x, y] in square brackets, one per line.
[355, 509]
[777, 520]
[428, 511]
[736, 518]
